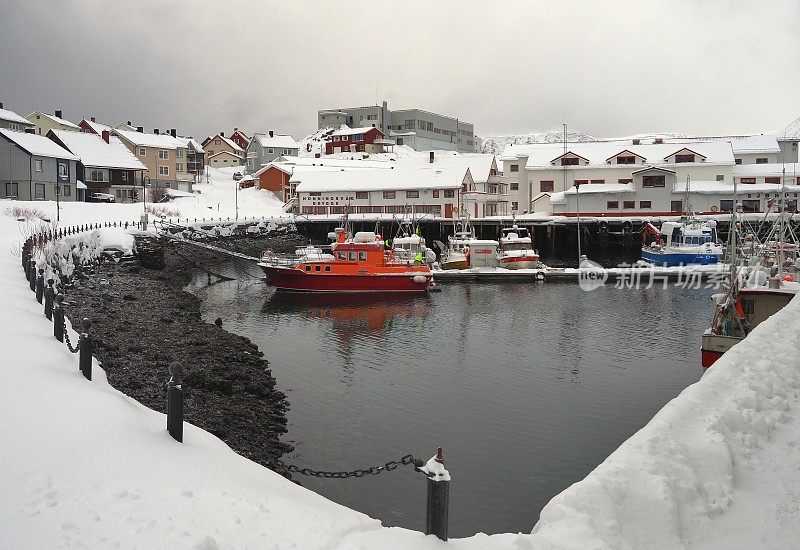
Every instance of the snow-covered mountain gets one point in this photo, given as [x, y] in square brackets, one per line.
[496, 144]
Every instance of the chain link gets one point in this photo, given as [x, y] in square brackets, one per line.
[69, 343]
[361, 472]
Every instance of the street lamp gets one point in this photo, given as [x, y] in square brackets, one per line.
[578, 208]
[58, 201]
[237, 199]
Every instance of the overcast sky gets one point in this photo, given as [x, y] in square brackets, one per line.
[607, 68]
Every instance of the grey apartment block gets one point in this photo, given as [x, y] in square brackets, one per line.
[264, 149]
[31, 177]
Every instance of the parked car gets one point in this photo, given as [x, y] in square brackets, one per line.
[246, 181]
[100, 197]
[237, 176]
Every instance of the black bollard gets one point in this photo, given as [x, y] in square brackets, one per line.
[438, 499]
[85, 349]
[58, 317]
[40, 286]
[49, 294]
[32, 278]
[175, 402]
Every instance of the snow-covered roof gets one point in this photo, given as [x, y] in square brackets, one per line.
[95, 152]
[80, 185]
[162, 141]
[542, 155]
[282, 166]
[57, 120]
[774, 169]
[38, 145]
[234, 155]
[98, 127]
[191, 142]
[377, 179]
[346, 131]
[11, 116]
[755, 144]
[601, 188]
[230, 142]
[277, 141]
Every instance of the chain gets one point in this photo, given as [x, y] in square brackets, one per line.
[374, 470]
[69, 343]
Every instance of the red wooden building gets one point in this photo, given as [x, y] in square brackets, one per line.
[354, 139]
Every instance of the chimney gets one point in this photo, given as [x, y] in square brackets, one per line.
[59, 113]
[222, 134]
[658, 141]
[106, 135]
[431, 157]
[1, 104]
[236, 130]
[129, 123]
[93, 120]
[637, 141]
[173, 132]
[140, 129]
[155, 131]
[316, 155]
[270, 133]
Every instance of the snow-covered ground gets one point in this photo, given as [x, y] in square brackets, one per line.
[83, 465]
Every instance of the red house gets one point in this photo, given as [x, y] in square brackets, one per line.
[275, 178]
[240, 138]
[345, 140]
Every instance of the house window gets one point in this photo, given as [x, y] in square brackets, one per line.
[67, 190]
[449, 193]
[684, 158]
[388, 194]
[626, 160]
[163, 170]
[625, 180]
[412, 194]
[546, 186]
[14, 126]
[435, 193]
[163, 154]
[720, 177]
[654, 181]
[216, 142]
[12, 190]
[270, 151]
[772, 180]
[570, 161]
[751, 206]
[359, 137]
[179, 153]
[762, 160]
[514, 206]
[628, 204]
[179, 167]
[514, 186]
[645, 204]
[362, 194]
[598, 181]
[399, 141]
[612, 205]
[39, 191]
[514, 168]
[726, 205]
[738, 161]
[748, 180]
[676, 206]
[63, 172]
[429, 126]
[38, 165]
[581, 182]
[98, 175]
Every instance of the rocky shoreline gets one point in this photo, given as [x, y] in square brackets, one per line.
[143, 320]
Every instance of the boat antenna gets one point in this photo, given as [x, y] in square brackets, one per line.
[686, 203]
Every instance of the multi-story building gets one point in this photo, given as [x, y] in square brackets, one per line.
[36, 168]
[195, 155]
[44, 122]
[367, 140]
[12, 121]
[105, 165]
[240, 138]
[163, 155]
[416, 128]
[265, 148]
[221, 144]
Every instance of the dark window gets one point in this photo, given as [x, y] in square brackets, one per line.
[514, 167]
[751, 206]
[748, 306]
[581, 182]
[569, 161]
[67, 190]
[412, 194]
[684, 158]
[435, 193]
[676, 206]
[738, 161]
[720, 177]
[315, 194]
[748, 180]
[772, 180]
[598, 181]
[341, 255]
[645, 204]
[449, 193]
[12, 190]
[308, 268]
[514, 205]
[388, 194]
[317, 268]
[353, 256]
[653, 181]
[625, 180]
[546, 186]
[611, 205]
[514, 186]
[628, 204]
[626, 160]
[39, 192]
[762, 160]
[327, 268]
[362, 256]
[726, 205]
[362, 194]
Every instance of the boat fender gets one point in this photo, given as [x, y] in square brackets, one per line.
[420, 279]
[540, 277]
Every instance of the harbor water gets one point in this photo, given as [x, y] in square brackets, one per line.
[527, 387]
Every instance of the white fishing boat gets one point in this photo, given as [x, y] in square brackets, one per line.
[516, 249]
[464, 250]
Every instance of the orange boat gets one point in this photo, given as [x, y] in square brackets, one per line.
[357, 264]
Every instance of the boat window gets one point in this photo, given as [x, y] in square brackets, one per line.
[362, 256]
[341, 255]
[352, 256]
[308, 268]
[317, 268]
[748, 306]
[327, 268]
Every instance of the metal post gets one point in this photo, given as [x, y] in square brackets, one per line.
[32, 278]
[40, 286]
[578, 209]
[49, 294]
[85, 349]
[58, 317]
[175, 402]
[438, 498]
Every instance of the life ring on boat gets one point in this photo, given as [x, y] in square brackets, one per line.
[714, 208]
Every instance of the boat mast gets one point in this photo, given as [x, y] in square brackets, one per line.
[687, 206]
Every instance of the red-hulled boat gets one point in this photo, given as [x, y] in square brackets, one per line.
[357, 264]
